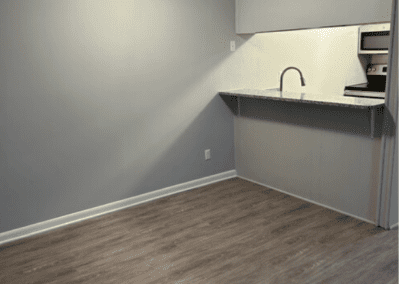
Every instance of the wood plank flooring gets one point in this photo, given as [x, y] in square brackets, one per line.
[233, 231]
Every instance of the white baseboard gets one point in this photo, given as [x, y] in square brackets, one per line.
[62, 221]
[394, 226]
[65, 220]
[311, 201]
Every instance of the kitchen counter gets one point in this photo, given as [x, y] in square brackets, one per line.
[373, 106]
[320, 99]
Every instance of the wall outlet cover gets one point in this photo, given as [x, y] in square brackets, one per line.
[207, 154]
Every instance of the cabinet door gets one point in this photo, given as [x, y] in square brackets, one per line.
[276, 15]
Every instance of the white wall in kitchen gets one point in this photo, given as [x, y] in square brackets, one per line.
[327, 58]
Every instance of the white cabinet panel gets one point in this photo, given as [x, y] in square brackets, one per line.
[276, 15]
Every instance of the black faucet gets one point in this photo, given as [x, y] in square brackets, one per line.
[301, 77]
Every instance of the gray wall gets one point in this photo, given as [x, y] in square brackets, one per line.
[323, 154]
[394, 109]
[394, 198]
[104, 100]
[275, 15]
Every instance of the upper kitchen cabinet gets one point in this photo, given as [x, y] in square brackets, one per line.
[254, 16]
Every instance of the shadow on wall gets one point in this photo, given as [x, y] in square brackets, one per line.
[332, 118]
[389, 124]
[245, 37]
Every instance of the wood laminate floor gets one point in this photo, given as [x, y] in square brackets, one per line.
[233, 231]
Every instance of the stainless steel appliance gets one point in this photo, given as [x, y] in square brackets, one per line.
[374, 39]
[374, 88]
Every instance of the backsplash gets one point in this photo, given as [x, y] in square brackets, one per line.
[327, 58]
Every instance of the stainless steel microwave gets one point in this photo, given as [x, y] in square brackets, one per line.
[374, 39]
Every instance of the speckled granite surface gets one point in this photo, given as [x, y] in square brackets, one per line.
[320, 99]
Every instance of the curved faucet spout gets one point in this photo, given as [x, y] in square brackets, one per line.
[301, 77]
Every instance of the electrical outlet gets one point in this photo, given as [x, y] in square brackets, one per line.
[233, 45]
[207, 154]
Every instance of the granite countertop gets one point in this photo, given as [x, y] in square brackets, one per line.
[320, 99]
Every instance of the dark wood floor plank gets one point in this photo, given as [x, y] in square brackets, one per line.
[233, 231]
